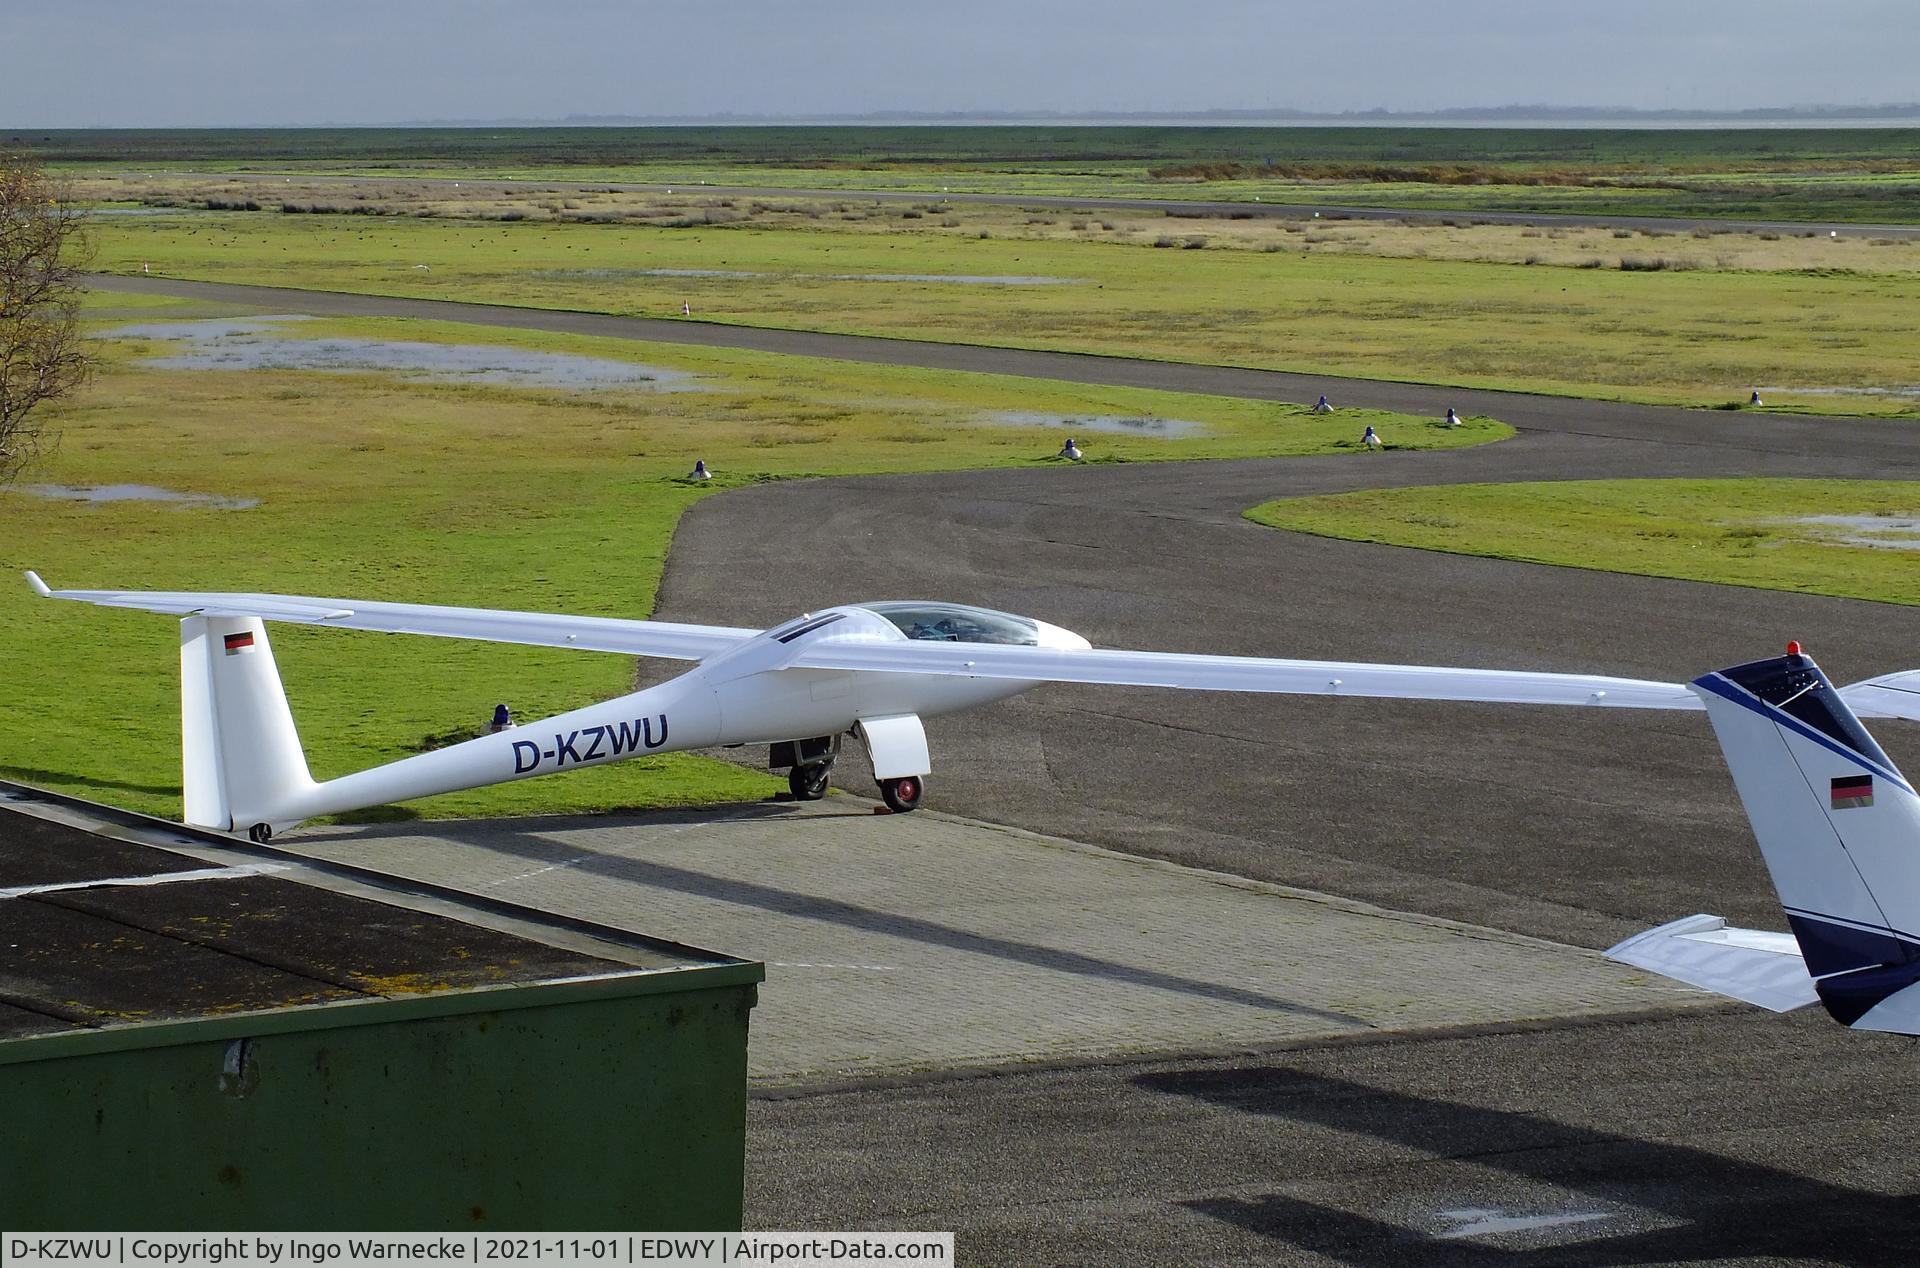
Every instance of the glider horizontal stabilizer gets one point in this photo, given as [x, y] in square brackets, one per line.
[1747, 964]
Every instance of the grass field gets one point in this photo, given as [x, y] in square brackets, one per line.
[1662, 320]
[1849, 174]
[374, 486]
[1463, 238]
[1763, 533]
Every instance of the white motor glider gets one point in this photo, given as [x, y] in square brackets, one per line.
[1844, 862]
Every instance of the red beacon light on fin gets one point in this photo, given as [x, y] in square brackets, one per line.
[1793, 647]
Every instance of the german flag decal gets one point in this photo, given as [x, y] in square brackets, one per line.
[243, 642]
[1851, 792]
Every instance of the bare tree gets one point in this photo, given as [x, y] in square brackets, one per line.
[43, 250]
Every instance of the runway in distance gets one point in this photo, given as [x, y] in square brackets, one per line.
[1837, 823]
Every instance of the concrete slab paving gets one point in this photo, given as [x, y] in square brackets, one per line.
[900, 943]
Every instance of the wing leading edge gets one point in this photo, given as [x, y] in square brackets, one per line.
[1245, 673]
[538, 629]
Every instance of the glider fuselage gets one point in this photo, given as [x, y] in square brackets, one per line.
[747, 694]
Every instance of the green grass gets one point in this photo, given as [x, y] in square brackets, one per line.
[1856, 174]
[1734, 532]
[376, 488]
[1687, 335]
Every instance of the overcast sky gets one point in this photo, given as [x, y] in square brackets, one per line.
[125, 63]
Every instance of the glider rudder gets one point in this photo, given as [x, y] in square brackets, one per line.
[241, 761]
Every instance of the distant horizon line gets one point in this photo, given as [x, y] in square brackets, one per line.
[1877, 110]
[1882, 112]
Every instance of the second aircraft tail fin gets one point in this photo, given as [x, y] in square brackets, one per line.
[1839, 827]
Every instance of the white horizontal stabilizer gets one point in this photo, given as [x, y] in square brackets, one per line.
[1897, 1014]
[1747, 964]
[537, 629]
[1243, 673]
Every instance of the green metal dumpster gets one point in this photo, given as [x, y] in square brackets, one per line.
[223, 1037]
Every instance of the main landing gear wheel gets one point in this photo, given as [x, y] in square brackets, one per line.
[809, 783]
[260, 833]
[903, 794]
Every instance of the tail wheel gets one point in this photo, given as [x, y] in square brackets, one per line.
[260, 833]
[809, 783]
[903, 794]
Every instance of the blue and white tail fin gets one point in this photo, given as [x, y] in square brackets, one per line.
[1839, 827]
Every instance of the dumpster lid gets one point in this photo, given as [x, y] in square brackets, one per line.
[100, 927]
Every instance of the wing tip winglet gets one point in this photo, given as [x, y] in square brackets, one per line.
[39, 587]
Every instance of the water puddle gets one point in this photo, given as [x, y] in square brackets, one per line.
[647, 273]
[204, 327]
[254, 343]
[135, 493]
[1911, 392]
[965, 279]
[1117, 424]
[145, 211]
[1880, 532]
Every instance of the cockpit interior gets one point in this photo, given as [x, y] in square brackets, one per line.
[957, 623]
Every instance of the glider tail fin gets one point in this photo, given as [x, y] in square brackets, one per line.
[241, 761]
[1839, 827]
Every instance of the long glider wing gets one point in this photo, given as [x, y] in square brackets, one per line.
[590, 633]
[1244, 673]
[1888, 696]
[1893, 695]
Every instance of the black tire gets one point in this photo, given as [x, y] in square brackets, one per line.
[261, 833]
[903, 794]
[809, 783]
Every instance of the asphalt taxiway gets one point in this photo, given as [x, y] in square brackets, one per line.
[1718, 1139]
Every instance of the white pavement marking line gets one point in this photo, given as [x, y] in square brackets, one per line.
[162, 878]
[1482, 1222]
[538, 871]
[869, 968]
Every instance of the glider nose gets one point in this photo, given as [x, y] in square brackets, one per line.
[1065, 640]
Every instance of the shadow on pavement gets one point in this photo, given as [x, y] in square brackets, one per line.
[521, 838]
[1725, 1208]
